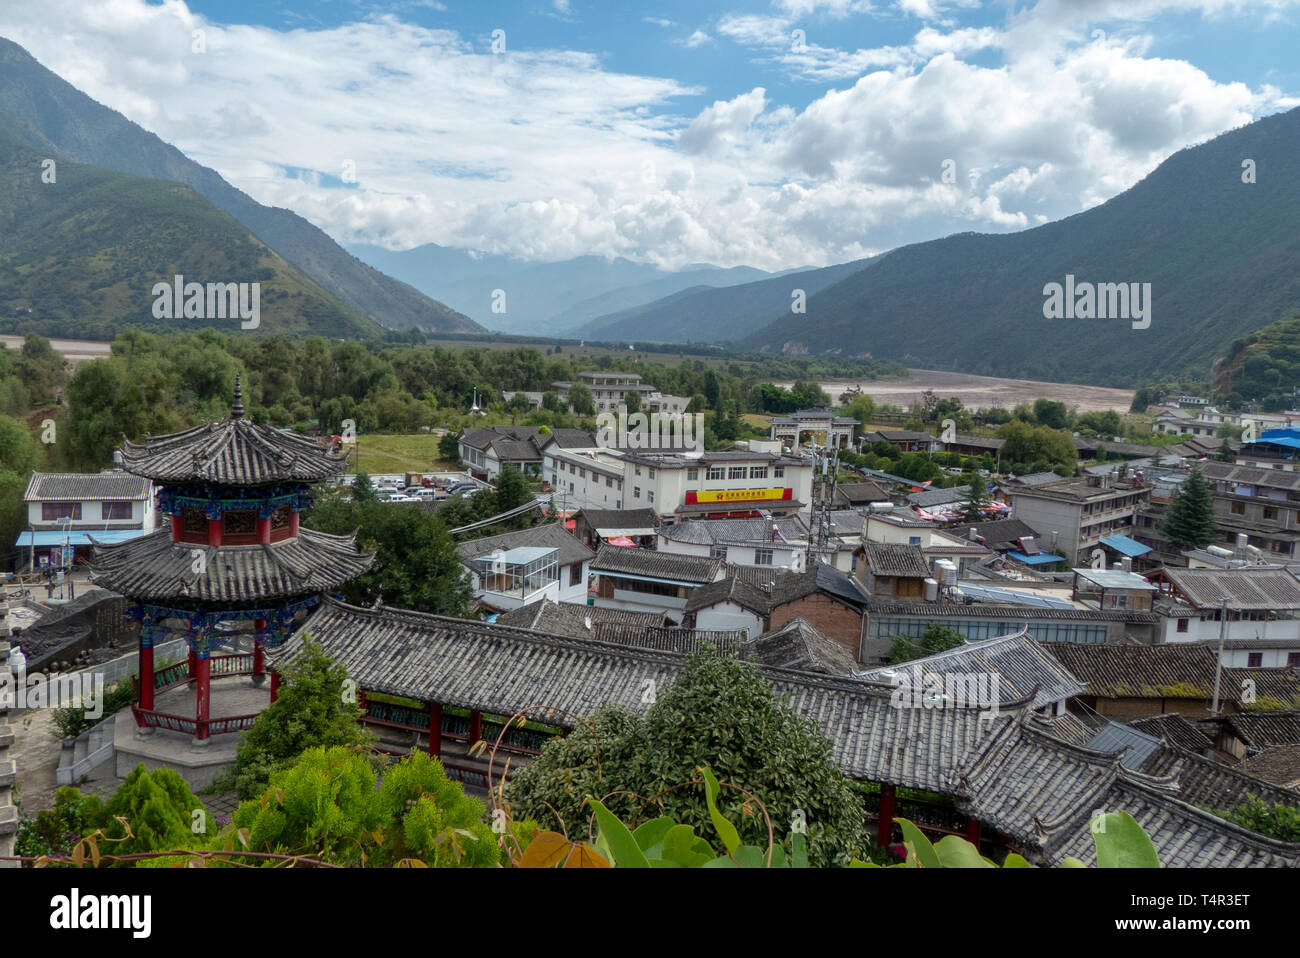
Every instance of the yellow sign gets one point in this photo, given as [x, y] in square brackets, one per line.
[737, 495]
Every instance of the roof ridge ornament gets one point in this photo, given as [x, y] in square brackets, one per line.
[237, 407]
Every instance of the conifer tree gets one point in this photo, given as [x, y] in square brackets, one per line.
[1190, 523]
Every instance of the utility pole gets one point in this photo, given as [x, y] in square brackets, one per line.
[826, 469]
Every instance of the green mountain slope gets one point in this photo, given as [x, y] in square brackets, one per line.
[79, 256]
[1262, 368]
[1222, 258]
[89, 132]
[709, 314]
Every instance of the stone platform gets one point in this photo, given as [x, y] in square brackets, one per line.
[199, 765]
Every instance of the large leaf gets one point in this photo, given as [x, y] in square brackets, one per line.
[584, 856]
[1121, 843]
[684, 849]
[614, 834]
[799, 851]
[651, 835]
[919, 845]
[956, 852]
[1016, 861]
[726, 831]
[546, 850]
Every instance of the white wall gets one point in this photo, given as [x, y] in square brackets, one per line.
[728, 615]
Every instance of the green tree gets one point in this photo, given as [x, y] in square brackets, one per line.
[362, 489]
[935, 639]
[720, 713]
[449, 447]
[1274, 820]
[512, 490]
[581, 400]
[1190, 523]
[976, 501]
[316, 706]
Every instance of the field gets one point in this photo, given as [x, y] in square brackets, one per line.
[383, 453]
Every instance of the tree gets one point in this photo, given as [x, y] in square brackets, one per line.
[973, 510]
[581, 400]
[935, 639]
[449, 447]
[416, 566]
[362, 489]
[315, 706]
[633, 401]
[1190, 523]
[720, 713]
[512, 490]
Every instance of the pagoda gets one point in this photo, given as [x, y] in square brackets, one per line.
[232, 563]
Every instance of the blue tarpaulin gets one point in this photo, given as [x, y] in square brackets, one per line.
[54, 539]
[1126, 546]
[1042, 558]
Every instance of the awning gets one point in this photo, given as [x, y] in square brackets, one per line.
[54, 538]
[613, 532]
[1126, 546]
[1042, 558]
[622, 541]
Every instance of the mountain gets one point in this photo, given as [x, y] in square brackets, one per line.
[709, 314]
[1263, 367]
[88, 132]
[81, 252]
[546, 298]
[1222, 257]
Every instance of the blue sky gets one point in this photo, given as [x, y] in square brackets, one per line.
[676, 132]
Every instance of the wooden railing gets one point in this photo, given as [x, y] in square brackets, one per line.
[180, 723]
[524, 741]
[178, 674]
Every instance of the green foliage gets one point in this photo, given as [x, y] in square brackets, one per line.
[362, 489]
[1190, 522]
[936, 638]
[973, 509]
[449, 447]
[416, 566]
[71, 722]
[581, 400]
[1276, 821]
[1027, 444]
[720, 714]
[316, 706]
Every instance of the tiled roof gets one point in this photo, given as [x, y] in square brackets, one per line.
[798, 645]
[857, 492]
[510, 443]
[548, 536]
[1174, 729]
[1246, 588]
[153, 567]
[668, 638]
[1131, 745]
[895, 559]
[729, 589]
[938, 497]
[1183, 671]
[665, 566]
[737, 531]
[999, 533]
[961, 610]
[819, 577]
[1279, 765]
[1042, 792]
[1264, 729]
[234, 452]
[86, 486]
[1022, 667]
[620, 518]
[570, 439]
[566, 618]
[1209, 784]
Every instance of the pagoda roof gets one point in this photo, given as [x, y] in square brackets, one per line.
[234, 451]
[153, 567]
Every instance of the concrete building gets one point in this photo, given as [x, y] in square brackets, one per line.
[486, 451]
[820, 422]
[771, 543]
[1076, 514]
[68, 509]
[515, 569]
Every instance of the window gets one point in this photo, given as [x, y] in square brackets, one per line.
[54, 511]
[717, 552]
[1238, 508]
[758, 472]
[638, 470]
[1293, 660]
[1254, 660]
[636, 492]
[650, 473]
[650, 497]
[115, 510]
[692, 475]
[1270, 512]
[575, 573]
[913, 540]
[778, 472]
[609, 483]
[762, 557]
[239, 526]
[717, 472]
[736, 472]
[1182, 625]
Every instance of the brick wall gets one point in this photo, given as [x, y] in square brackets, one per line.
[832, 619]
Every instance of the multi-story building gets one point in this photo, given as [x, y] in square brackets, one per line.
[486, 451]
[66, 510]
[518, 568]
[1274, 449]
[775, 543]
[1262, 605]
[1259, 503]
[1076, 514]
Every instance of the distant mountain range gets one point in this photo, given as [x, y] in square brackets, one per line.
[547, 299]
[90, 133]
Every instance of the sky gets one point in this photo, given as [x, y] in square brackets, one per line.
[774, 133]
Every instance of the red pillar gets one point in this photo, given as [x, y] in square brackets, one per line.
[264, 531]
[435, 729]
[259, 652]
[202, 696]
[475, 727]
[177, 527]
[146, 670]
[293, 523]
[275, 686]
[886, 829]
[214, 532]
[973, 831]
[192, 664]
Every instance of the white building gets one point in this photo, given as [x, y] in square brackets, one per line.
[515, 569]
[1263, 612]
[68, 509]
[773, 543]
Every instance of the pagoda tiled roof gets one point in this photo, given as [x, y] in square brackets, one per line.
[234, 451]
[153, 567]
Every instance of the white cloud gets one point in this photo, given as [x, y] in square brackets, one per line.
[551, 154]
[697, 39]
